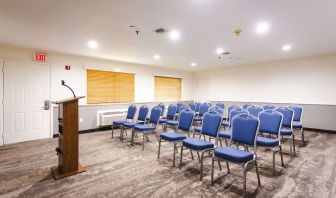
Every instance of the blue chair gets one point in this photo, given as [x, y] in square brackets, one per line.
[246, 105]
[269, 106]
[254, 110]
[197, 129]
[172, 108]
[174, 123]
[163, 107]
[149, 128]
[178, 106]
[129, 117]
[221, 105]
[202, 110]
[287, 125]
[297, 120]
[270, 122]
[198, 104]
[244, 130]
[225, 133]
[143, 111]
[230, 108]
[192, 106]
[211, 124]
[185, 121]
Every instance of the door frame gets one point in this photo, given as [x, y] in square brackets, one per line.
[2, 79]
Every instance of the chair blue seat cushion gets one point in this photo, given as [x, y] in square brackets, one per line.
[197, 144]
[269, 142]
[198, 119]
[162, 121]
[142, 128]
[286, 132]
[225, 123]
[198, 129]
[224, 134]
[297, 126]
[172, 136]
[119, 123]
[233, 155]
[130, 124]
[172, 122]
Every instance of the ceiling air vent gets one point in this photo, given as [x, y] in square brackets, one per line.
[160, 30]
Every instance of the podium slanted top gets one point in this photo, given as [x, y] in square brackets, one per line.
[69, 99]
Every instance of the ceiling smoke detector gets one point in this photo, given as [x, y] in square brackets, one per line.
[160, 30]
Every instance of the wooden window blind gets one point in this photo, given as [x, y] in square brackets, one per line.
[168, 89]
[109, 87]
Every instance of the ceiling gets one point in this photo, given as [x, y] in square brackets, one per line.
[67, 25]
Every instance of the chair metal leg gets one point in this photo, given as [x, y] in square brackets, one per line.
[192, 155]
[174, 154]
[257, 170]
[212, 170]
[282, 162]
[226, 143]
[244, 172]
[121, 134]
[302, 135]
[143, 141]
[112, 131]
[274, 163]
[181, 157]
[220, 166]
[199, 159]
[293, 141]
[220, 142]
[228, 167]
[159, 148]
[201, 172]
[132, 139]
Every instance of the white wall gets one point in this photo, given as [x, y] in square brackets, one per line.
[76, 77]
[1, 102]
[305, 81]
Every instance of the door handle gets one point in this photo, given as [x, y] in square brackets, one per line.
[46, 105]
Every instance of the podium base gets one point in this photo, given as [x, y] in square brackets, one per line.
[59, 175]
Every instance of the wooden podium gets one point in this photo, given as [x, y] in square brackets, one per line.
[67, 149]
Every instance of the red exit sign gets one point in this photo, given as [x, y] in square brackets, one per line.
[40, 57]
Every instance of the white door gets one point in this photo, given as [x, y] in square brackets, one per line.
[26, 89]
[202, 89]
[1, 102]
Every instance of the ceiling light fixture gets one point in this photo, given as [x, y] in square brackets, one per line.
[262, 28]
[286, 47]
[219, 50]
[93, 44]
[157, 57]
[193, 64]
[174, 35]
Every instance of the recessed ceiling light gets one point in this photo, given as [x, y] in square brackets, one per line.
[219, 51]
[286, 47]
[157, 57]
[262, 28]
[93, 44]
[193, 64]
[174, 35]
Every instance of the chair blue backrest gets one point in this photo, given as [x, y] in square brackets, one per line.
[287, 116]
[163, 107]
[244, 129]
[186, 118]
[211, 123]
[254, 110]
[198, 104]
[178, 106]
[230, 108]
[155, 115]
[143, 111]
[183, 107]
[247, 105]
[131, 112]
[270, 122]
[171, 111]
[217, 109]
[203, 109]
[235, 112]
[221, 105]
[297, 112]
[192, 106]
[269, 106]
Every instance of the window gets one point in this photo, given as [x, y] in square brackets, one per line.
[168, 89]
[109, 87]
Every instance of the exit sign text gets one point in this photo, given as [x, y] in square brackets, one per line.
[40, 57]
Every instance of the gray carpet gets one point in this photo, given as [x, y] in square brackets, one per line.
[115, 169]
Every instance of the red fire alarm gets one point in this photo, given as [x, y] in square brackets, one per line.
[67, 67]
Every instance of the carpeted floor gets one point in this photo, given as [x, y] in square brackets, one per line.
[115, 169]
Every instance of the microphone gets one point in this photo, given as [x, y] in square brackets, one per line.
[63, 83]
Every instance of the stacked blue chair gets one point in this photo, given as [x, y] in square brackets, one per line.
[244, 130]
[174, 123]
[192, 106]
[211, 124]
[270, 122]
[198, 129]
[269, 106]
[225, 133]
[185, 121]
[172, 109]
[129, 117]
[297, 120]
[143, 111]
[202, 110]
[226, 123]
[221, 105]
[287, 125]
[149, 128]
[254, 110]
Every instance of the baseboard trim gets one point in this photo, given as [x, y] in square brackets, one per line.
[89, 130]
[319, 130]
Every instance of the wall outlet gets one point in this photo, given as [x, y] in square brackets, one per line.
[81, 120]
